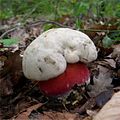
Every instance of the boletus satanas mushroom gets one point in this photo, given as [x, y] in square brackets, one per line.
[57, 60]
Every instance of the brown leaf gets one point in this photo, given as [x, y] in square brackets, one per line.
[111, 110]
[25, 115]
[13, 66]
[104, 51]
[110, 62]
[54, 115]
[2, 60]
[98, 27]
[102, 80]
[88, 118]
[116, 51]
[5, 86]
[88, 105]
[10, 73]
[35, 32]
[103, 97]
[66, 20]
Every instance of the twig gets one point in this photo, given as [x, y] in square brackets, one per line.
[61, 25]
[55, 23]
[94, 30]
[58, 24]
[8, 31]
[46, 22]
[12, 47]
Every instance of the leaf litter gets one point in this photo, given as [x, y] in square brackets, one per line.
[21, 99]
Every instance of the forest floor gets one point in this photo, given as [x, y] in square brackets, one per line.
[20, 97]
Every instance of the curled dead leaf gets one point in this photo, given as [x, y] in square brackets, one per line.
[101, 81]
[111, 110]
[25, 115]
[54, 115]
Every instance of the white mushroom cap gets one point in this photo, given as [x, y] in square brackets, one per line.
[47, 56]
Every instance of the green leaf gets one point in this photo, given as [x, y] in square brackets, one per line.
[48, 26]
[107, 42]
[9, 42]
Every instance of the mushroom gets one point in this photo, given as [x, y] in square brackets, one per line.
[77, 73]
[57, 59]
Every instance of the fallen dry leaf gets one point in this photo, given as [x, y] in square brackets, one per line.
[54, 115]
[102, 81]
[111, 110]
[5, 86]
[88, 118]
[87, 106]
[116, 51]
[111, 62]
[11, 72]
[103, 97]
[25, 115]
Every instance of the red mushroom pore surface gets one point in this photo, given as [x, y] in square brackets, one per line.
[77, 73]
